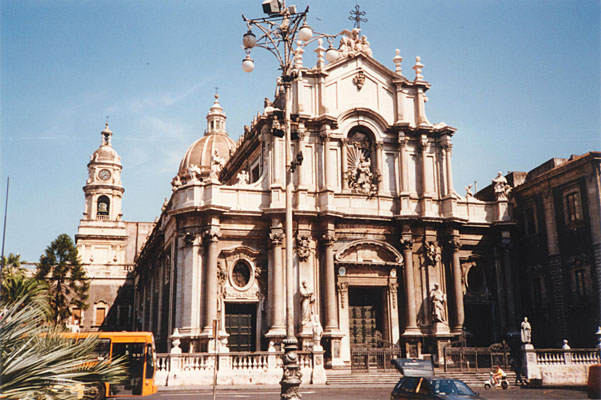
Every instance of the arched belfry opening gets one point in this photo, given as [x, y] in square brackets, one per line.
[103, 206]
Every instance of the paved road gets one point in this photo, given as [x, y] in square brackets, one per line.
[379, 392]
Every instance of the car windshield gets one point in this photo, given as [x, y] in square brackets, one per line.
[450, 386]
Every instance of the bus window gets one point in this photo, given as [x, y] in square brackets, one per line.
[134, 353]
[102, 349]
[149, 362]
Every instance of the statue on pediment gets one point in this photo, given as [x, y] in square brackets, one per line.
[352, 43]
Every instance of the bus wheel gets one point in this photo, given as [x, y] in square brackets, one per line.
[96, 392]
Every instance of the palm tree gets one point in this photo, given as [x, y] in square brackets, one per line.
[61, 268]
[12, 264]
[38, 362]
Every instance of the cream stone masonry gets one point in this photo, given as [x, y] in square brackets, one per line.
[106, 244]
[377, 227]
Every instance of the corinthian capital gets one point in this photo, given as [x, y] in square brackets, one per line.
[211, 235]
[276, 238]
[328, 239]
[406, 243]
[455, 244]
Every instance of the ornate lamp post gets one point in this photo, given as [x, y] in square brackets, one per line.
[279, 30]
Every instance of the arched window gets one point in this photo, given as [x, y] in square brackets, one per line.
[103, 206]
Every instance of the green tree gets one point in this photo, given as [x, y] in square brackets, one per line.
[37, 361]
[12, 264]
[68, 285]
[16, 286]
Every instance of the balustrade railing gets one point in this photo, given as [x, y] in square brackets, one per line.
[567, 356]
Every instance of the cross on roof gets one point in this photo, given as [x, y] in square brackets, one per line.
[356, 16]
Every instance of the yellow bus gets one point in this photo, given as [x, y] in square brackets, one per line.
[138, 348]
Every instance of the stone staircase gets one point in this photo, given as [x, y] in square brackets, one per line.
[475, 380]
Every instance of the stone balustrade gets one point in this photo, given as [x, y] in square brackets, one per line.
[197, 369]
[559, 366]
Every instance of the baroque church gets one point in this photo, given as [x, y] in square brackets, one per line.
[385, 251]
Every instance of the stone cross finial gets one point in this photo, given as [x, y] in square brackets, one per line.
[356, 16]
[397, 62]
[418, 69]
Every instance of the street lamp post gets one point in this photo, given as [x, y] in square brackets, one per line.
[278, 33]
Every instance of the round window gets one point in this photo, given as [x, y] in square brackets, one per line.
[476, 281]
[241, 274]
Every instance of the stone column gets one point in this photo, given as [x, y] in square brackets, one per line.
[455, 245]
[447, 148]
[379, 161]
[411, 322]
[278, 328]
[426, 184]
[507, 267]
[325, 138]
[211, 239]
[330, 284]
[344, 143]
[403, 167]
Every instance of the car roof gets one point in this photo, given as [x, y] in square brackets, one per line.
[413, 367]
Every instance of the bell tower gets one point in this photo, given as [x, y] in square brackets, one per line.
[103, 189]
[102, 241]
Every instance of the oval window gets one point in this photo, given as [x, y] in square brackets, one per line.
[241, 274]
[476, 281]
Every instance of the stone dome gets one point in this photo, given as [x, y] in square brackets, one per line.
[105, 153]
[200, 154]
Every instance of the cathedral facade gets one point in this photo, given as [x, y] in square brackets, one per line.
[385, 251]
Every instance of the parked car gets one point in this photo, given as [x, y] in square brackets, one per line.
[419, 382]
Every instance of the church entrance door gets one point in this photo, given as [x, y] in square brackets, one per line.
[365, 317]
[240, 324]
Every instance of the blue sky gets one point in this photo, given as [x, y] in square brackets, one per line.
[520, 80]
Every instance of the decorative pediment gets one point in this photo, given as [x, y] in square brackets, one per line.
[369, 252]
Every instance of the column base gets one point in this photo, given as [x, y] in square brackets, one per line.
[276, 333]
[412, 331]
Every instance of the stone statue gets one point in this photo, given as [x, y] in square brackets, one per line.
[307, 300]
[468, 191]
[500, 186]
[363, 176]
[194, 172]
[176, 182]
[216, 164]
[437, 299]
[242, 178]
[317, 331]
[526, 331]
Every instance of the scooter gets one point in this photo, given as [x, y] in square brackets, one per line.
[490, 383]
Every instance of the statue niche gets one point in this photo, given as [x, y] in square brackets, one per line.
[362, 177]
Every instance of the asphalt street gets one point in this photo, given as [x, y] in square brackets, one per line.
[378, 392]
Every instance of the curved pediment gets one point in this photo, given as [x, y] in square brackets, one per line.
[369, 251]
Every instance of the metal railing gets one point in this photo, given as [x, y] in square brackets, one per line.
[373, 359]
[475, 359]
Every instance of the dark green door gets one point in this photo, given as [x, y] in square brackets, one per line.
[240, 324]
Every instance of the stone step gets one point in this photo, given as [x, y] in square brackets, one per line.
[474, 380]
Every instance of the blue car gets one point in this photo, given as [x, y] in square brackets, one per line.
[419, 382]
